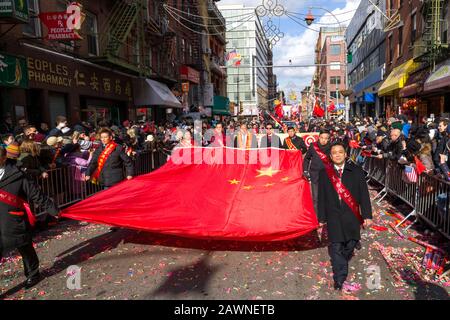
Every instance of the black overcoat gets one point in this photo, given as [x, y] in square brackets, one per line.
[15, 230]
[341, 222]
[112, 172]
[274, 142]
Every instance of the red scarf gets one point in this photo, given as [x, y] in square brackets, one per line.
[342, 191]
[102, 160]
[15, 201]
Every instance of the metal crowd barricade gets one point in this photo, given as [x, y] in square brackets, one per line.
[429, 197]
[407, 192]
[66, 186]
[433, 203]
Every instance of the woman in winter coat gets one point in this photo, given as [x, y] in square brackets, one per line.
[29, 160]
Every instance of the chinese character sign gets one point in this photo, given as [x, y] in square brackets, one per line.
[64, 25]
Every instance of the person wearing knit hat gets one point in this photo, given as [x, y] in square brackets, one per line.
[13, 151]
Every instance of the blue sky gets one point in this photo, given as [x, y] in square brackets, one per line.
[298, 42]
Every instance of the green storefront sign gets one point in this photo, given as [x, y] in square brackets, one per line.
[14, 10]
[13, 71]
[221, 106]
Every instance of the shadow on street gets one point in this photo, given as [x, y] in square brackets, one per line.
[188, 279]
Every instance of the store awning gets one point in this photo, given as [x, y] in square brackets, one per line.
[153, 93]
[440, 78]
[221, 106]
[415, 83]
[397, 78]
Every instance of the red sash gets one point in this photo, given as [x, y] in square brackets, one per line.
[15, 201]
[290, 145]
[102, 160]
[342, 191]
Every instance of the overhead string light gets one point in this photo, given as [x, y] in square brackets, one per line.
[336, 14]
[295, 19]
[210, 24]
[206, 33]
[320, 23]
[209, 18]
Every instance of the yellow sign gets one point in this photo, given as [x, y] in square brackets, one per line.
[43, 71]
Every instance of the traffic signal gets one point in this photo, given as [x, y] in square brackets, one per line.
[241, 107]
[349, 57]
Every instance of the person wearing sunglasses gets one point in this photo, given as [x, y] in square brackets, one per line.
[270, 139]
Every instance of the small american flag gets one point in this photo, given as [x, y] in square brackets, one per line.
[410, 174]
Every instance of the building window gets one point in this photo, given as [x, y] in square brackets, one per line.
[33, 28]
[335, 66]
[335, 80]
[335, 96]
[67, 45]
[91, 33]
[335, 49]
[183, 51]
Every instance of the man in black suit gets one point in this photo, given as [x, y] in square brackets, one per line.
[111, 172]
[312, 164]
[270, 140]
[294, 142]
[343, 222]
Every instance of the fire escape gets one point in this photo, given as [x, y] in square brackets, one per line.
[431, 47]
[122, 37]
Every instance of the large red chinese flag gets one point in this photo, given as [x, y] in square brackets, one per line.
[251, 200]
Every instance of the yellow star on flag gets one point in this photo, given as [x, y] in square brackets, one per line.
[269, 185]
[247, 188]
[269, 172]
[285, 179]
[234, 181]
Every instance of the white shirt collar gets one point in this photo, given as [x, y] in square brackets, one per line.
[339, 167]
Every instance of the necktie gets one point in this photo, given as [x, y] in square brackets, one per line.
[340, 173]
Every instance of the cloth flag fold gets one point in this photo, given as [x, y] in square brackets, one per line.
[251, 200]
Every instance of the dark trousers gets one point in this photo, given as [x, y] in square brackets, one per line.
[340, 254]
[315, 195]
[30, 260]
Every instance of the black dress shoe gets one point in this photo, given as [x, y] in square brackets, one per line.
[338, 286]
[31, 282]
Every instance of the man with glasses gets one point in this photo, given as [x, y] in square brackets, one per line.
[270, 140]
